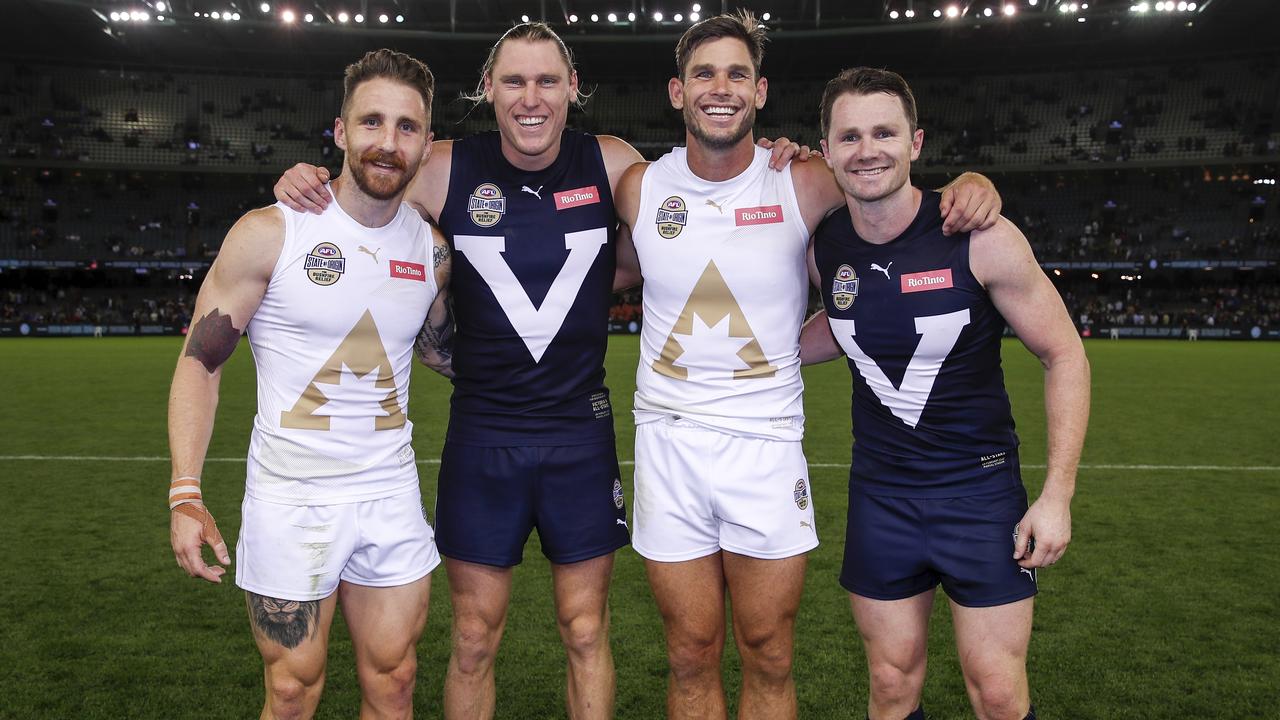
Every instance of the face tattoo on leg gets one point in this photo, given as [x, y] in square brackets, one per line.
[287, 622]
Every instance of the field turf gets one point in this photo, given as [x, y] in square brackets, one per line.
[1165, 606]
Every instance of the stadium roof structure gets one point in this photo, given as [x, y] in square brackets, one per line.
[322, 35]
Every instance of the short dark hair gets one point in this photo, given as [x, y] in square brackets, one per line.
[867, 81]
[531, 32]
[741, 25]
[390, 65]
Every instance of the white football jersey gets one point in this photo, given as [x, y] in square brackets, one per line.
[725, 293]
[333, 341]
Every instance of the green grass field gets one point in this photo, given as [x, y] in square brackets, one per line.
[1164, 607]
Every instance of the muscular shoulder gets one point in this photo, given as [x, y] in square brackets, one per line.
[253, 244]
[626, 196]
[617, 153]
[1000, 254]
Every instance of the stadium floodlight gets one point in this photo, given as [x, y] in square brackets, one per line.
[893, 14]
[524, 18]
[1033, 3]
[657, 16]
[953, 11]
[343, 17]
[288, 16]
[235, 16]
[264, 7]
[1182, 6]
[115, 16]
[399, 18]
[694, 17]
[910, 13]
[766, 17]
[573, 18]
[595, 17]
[215, 15]
[697, 7]
[937, 13]
[986, 12]
[161, 7]
[1080, 19]
[631, 16]
[159, 18]
[383, 18]
[309, 17]
[677, 17]
[359, 18]
[1010, 9]
[613, 17]
[1191, 7]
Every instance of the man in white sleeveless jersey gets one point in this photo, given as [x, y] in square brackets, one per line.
[722, 499]
[332, 509]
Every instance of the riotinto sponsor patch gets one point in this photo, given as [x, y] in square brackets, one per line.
[763, 215]
[580, 196]
[408, 270]
[927, 280]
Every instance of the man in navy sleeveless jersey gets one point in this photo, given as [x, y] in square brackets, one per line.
[935, 494]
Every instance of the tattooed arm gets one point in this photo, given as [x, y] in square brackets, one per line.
[228, 298]
[435, 341]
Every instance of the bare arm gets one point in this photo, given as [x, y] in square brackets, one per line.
[301, 188]
[435, 341]
[1002, 260]
[618, 155]
[228, 299]
[817, 343]
[627, 274]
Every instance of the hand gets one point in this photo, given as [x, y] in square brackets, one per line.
[302, 188]
[970, 202]
[784, 151]
[1048, 521]
[191, 527]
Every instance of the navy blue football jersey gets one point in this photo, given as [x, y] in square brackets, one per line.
[532, 284]
[931, 417]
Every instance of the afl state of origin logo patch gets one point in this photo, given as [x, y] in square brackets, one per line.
[617, 493]
[801, 494]
[844, 288]
[486, 205]
[672, 216]
[325, 264]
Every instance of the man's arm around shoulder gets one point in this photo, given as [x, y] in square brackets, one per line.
[228, 298]
[1001, 259]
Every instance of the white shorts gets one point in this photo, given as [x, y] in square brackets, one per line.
[301, 552]
[698, 491]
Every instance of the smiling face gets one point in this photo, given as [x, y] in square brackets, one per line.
[719, 93]
[870, 145]
[530, 86]
[385, 133]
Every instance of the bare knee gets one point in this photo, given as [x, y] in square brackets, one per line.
[999, 698]
[475, 644]
[584, 634]
[766, 655]
[290, 697]
[896, 684]
[694, 656]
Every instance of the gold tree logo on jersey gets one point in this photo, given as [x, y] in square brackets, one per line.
[711, 305]
[360, 354]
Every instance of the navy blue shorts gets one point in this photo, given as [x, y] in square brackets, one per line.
[490, 498]
[897, 548]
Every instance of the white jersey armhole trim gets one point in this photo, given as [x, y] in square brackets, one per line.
[797, 219]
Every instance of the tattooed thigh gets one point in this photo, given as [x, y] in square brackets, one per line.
[286, 622]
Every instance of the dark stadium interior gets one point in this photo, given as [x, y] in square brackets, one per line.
[1135, 147]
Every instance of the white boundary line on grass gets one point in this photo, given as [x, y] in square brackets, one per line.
[160, 458]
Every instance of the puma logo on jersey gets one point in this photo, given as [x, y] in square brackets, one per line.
[536, 193]
[620, 521]
[371, 253]
[805, 524]
[712, 336]
[1031, 573]
[537, 326]
[885, 269]
[715, 205]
